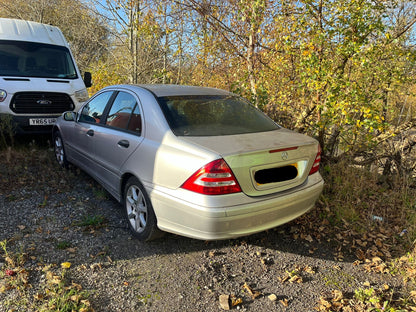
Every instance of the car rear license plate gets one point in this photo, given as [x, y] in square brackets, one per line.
[42, 121]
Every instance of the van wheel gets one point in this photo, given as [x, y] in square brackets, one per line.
[139, 211]
[58, 145]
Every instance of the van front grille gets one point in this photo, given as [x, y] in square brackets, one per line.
[41, 103]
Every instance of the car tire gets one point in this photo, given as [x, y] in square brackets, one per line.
[139, 212]
[59, 149]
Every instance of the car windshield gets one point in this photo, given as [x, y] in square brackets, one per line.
[32, 59]
[204, 115]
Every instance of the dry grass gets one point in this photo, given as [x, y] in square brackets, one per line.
[362, 200]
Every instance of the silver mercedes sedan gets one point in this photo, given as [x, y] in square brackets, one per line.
[199, 162]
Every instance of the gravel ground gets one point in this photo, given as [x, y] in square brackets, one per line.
[44, 215]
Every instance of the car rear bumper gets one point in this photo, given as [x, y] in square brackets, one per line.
[239, 216]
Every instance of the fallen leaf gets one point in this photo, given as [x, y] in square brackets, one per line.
[76, 286]
[65, 265]
[296, 279]
[309, 270]
[235, 301]
[254, 294]
[38, 296]
[325, 303]
[284, 302]
[75, 298]
[338, 296]
[9, 261]
[309, 238]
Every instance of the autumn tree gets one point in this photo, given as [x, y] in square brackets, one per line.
[149, 38]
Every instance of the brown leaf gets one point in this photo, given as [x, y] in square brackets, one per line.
[10, 261]
[325, 303]
[235, 301]
[309, 270]
[338, 296]
[309, 238]
[296, 279]
[75, 298]
[284, 302]
[254, 294]
[360, 254]
[76, 286]
[38, 296]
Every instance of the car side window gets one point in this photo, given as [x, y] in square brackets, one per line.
[93, 111]
[125, 113]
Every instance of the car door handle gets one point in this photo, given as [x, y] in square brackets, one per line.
[90, 133]
[123, 143]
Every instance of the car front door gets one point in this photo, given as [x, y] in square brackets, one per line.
[83, 136]
[120, 136]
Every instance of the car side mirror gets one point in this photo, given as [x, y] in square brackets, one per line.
[87, 79]
[69, 116]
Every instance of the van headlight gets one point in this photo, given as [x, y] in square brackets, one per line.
[82, 95]
[3, 95]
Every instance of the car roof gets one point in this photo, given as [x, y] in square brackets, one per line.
[160, 90]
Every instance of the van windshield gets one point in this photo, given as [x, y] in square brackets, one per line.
[32, 59]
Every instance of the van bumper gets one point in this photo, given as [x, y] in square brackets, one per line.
[27, 124]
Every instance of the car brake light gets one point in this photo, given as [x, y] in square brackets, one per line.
[315, 166]
[215, 178]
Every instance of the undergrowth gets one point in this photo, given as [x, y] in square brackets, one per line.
[363, 200]
[372, 217]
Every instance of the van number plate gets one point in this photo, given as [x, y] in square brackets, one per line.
[42, 121]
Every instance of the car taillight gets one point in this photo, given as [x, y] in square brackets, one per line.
[315, 166]
[215, 178]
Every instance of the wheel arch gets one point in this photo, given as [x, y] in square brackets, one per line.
[55, 129]
[124, 178]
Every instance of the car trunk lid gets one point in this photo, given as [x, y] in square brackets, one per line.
[266, 162]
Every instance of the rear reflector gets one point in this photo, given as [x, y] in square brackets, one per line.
[316, 163]
[215, 178]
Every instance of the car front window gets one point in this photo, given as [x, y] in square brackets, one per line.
[213, 115]
[92, 111]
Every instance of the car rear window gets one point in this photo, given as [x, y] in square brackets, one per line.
[203, 115]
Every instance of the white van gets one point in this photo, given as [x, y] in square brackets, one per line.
[39, 79]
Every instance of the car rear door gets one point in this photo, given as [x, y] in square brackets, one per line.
[118, 138]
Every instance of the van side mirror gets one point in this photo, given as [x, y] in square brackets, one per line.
[69, 116]
[87, 79]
